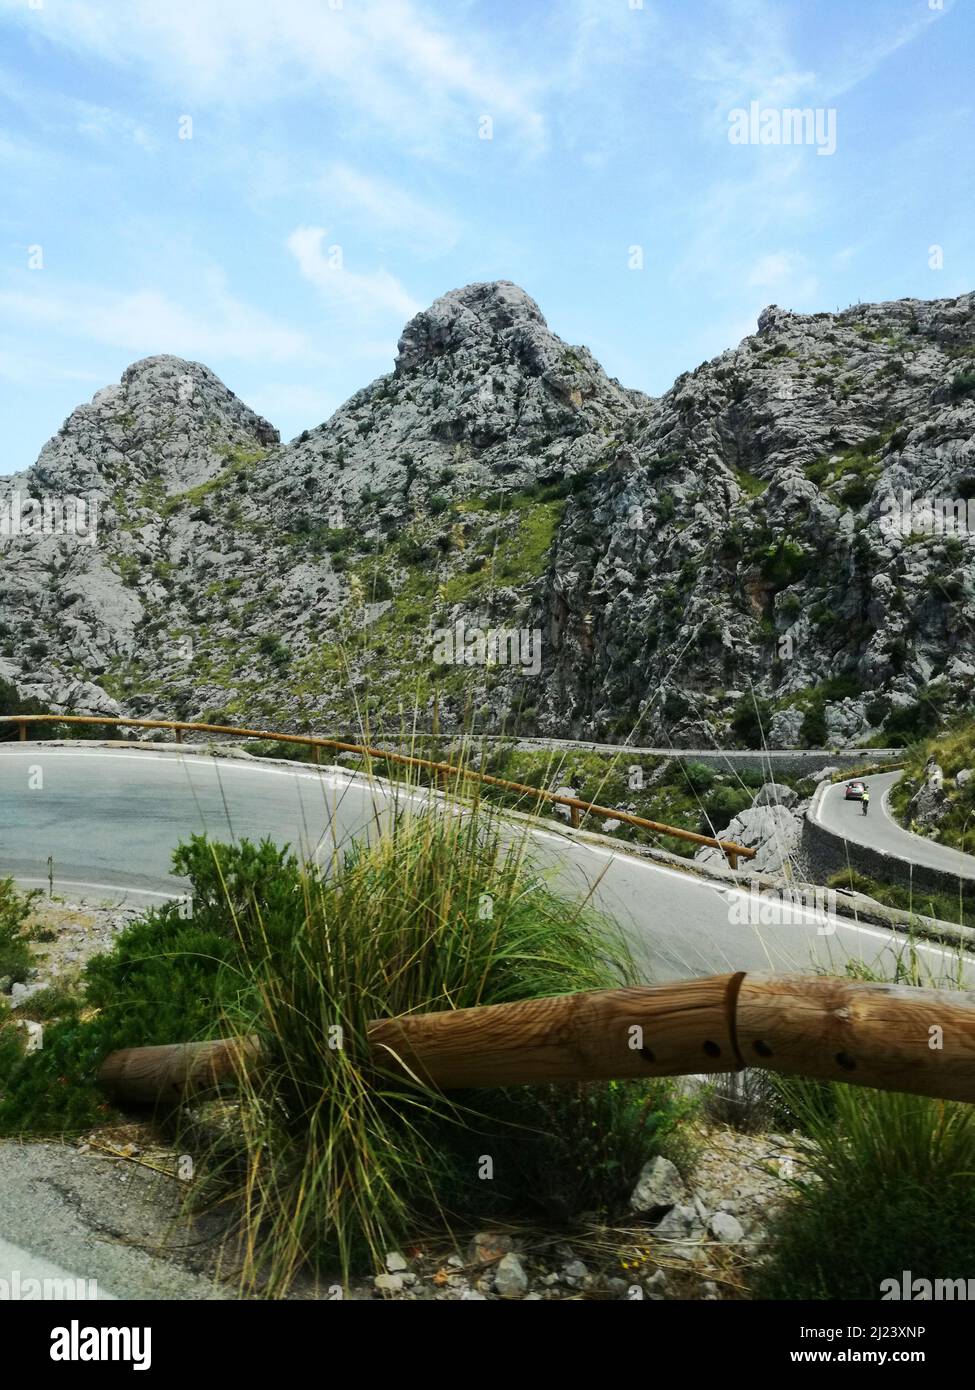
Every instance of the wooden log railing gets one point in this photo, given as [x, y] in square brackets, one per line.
[893, 1037]
[444, 771]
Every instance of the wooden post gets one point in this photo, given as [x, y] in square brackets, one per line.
[179, 735]
[23, 732]
[732, 859]
[893, 1037]
[316, 753]
[649, 1030]
[155, 1075]
[574, 817]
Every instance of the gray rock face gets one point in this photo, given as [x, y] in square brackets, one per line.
[726, 1228]
[680, 1223]
[785, 728]
[929, 805]
[774, 832]
[732, 536]
[775, 794]
[660, 1186]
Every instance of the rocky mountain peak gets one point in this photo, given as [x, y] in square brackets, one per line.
[166, 391]
[467, 320]
[168, 419]
[772, 319]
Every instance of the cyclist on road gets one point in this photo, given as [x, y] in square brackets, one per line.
[865, 800]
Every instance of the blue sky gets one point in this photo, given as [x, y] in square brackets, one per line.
[336, 180]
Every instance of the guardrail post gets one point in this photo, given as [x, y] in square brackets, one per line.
[316, 753]
[574, 817]
[23, 731]
[732, 859]
[179, 735]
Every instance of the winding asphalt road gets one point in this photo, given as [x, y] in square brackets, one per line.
[879, 830]
[110, 818]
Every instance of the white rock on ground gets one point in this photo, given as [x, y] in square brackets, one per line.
[660, 1185]
[510, 1279]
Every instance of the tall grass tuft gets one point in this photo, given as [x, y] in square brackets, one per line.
[892, 1189]
[338, 1160]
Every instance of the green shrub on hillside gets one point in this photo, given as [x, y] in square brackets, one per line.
[953, 749]
[892, 1191]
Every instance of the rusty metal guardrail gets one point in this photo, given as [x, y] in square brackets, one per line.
[445, 771]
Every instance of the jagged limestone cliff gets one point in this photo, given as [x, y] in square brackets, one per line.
[714, 562]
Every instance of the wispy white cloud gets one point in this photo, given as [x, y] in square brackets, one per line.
[29, 370]
[389, 61]
[101, 123]
[732, 216]
[746, 51]
[375, 292]
[388, 210]
[786, 273]
[870, 52]
[145, 322]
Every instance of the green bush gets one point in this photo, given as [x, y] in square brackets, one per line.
[722, 805]
[749, 720]
[166, 980]
[699, 777]
[271, 646]
[434, 914]
[377, 586]
[963, 385]
[15, 954]
[335, 539]
[911, 722]
[812, 730]
[783, 562]
[414, 552]
[893, 1191]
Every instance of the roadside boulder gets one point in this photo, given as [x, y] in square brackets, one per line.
[659, 1187]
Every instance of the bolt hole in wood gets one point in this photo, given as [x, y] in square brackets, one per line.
[712, 1049]
[763, 1049]
[847, 1062]
[648, 1054]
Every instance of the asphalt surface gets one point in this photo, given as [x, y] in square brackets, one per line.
[111, 1229]
[878, 829]
[109, 820]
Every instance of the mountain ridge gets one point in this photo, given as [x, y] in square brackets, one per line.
[711, 565]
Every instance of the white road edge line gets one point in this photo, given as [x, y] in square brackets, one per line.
[103, 887]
